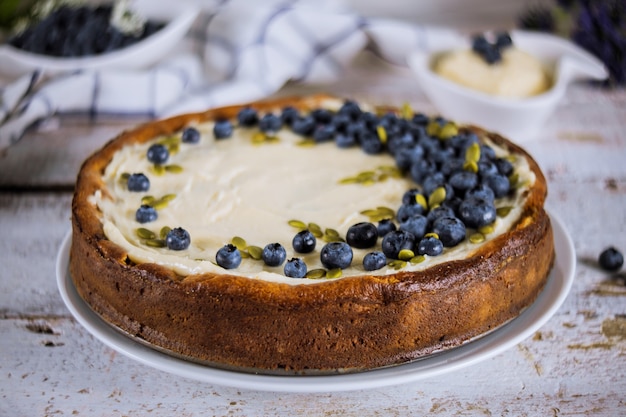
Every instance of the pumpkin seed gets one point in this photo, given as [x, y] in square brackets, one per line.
[348, 180]
[472, 154]
[258, 138]
[168, 197]
[485, 230]
[397, 264]
[316, 273]
[477, 237]
[316, 230]
[382, 133]
[164, 231]
[448, 130]
[297, 224]
[437, 197]
[370, 212]
[239, 243]
[174, 168]
[514, 180]
[160, 204]
[421, 200]
[255, 252]
[385, 211]
[155, 243]
[503, 211]
[432, 128]
[307, 143]
[173, 148]
[144, 233]
[244, 254]
[470, 166]
[147, 200]
[407, 111]
[158, 169]
[334, 273]
[406, 254]
[125, 176]
[432, 234]
[417, 259]
[331, 232]
[169, 140]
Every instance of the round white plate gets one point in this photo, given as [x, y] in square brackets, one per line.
[503, 338]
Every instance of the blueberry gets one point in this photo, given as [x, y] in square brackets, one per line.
[190, 135]
[430, 246]
[158, 154]
[395, 241]
[274, 254]
[505, 167]
[324, 133]
[487, 153]
[303, 125]
[451, 230]
[336, 255]
[409, 197]
[503, 40]
[404, 141]
[371, 144]
[486, 168]
[295, 268]
[463, 181]
[416, 225]
[350, 109]
[385, 226]
[477, 212]
[138, 182]
[362, 235]
[439, 212]
[421, 169]
[482, 191]
[611, 259]
[341, 122]
[270, 123]
[498, 183]
[322, 116]
[146, 214]
[406, 155]
[223, 129]
[344, 140]
[432, 182]
[178, 239]
[407, 210]
[374, 261]
[247, 117]
[288, 115]
[228, 257]
[304, 242]
[452, 166]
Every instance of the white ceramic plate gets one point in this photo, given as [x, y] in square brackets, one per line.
[503, 338]
[178, 17]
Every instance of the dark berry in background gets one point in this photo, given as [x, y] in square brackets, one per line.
[611, 259]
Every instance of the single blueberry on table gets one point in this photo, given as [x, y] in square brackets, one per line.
[190, 135]
[477, 212]
[385, 226]
[451, 230]
[146, 214]
[395, 241]
[336, 255]
[247, 117]
[416, 225]
[304, 242]
[270, 123]
[158, 154]
[138, 182]
[374, 261]
[430, 246]
[611, 259]
[178, 239]
[228, 257]
[295, 268]
[362, 235]
[223, 129]
[274, 254]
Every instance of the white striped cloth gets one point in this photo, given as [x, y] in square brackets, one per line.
[244, 52]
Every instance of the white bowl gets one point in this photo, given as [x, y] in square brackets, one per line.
[517, 119]
[178, 17]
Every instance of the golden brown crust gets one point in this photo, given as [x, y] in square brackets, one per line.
[345, 325]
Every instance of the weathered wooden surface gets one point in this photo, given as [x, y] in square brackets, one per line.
[574, 365]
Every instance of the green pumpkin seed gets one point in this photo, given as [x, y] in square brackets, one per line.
[470, 166]
[485, 230]
[124, 176]
[370, 212]
[297, 224]
[173, 148]
[477, 237]
[503, 211]
[432, 128]
[168, 197]
[334, 273]
[306, 143]
[405, 254]
[316, 230]
[348, 180]
[147, 200]
[448, 130]
[397, 264]
[437, 197]
[160, 204]
[164, 231]
[331, 232]
[255, 252]
[316, 273]
[432, 234]
[239, 243]
[258, 138]
[417, 259]
[406, 111]
[385, 211]
[155, 243]
[174, 168]
[169, 140]
[472, 154]
[421, 200]
[157, 169]
[382, 133]
[244, 254]
[144, 233]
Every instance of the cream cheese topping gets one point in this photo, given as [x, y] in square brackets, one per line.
[232, 187]
[517, 75]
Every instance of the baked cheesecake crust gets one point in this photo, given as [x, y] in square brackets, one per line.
[345, 325]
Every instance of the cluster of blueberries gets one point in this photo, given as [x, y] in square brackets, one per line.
[70, 31]
[491, 52]
[419, 150]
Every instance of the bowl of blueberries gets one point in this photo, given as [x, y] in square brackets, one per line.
[68, 36]
[507, 82]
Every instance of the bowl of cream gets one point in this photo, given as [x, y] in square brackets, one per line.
[513, 96]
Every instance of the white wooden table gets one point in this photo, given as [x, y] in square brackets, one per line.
[574, 365]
